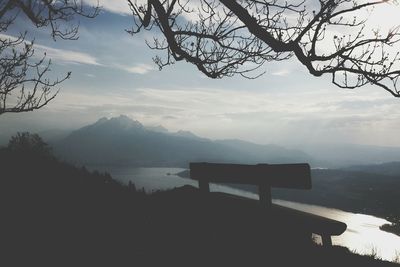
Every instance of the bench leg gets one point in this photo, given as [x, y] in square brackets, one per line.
[264, 192]
[326, 241]
[204, 186]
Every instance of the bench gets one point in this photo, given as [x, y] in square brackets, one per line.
[266, 176]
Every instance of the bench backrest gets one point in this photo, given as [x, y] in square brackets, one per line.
[273, 175]
[264, 176]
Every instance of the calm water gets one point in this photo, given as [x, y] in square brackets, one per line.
[362, 235]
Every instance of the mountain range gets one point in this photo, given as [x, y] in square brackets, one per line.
[123, 141]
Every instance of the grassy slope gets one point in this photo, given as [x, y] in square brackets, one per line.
[58, 215]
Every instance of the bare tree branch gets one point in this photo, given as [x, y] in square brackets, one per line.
[24, 85]
[228, 37]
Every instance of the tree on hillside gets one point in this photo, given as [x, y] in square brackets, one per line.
[228, 37]
[23, 82]
[27, 143]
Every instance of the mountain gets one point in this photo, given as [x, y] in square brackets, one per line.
[188, 134]
[158, 128]
[123, 141]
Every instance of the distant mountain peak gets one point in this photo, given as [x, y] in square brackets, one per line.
[122, 117]
[158, 129]
[124, 122]
[101, 121]
[124, 141]
[121, 122]
[187, 134]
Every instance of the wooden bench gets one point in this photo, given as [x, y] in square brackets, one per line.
[266, 176]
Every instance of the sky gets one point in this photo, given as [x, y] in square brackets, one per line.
[113, 73]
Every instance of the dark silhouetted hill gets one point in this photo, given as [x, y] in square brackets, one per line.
[55, 214]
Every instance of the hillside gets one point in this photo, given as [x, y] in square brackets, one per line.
[123, 141]
[55, 214]
[59, 215]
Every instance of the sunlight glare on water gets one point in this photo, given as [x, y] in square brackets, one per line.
[362, 235]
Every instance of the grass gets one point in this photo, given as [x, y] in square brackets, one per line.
[397, 257]
[374, 253]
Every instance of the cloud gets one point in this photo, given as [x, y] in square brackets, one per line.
[67, 56]
[121, 7]
[115, 6]
[136, 69]
[169, 117]
[8, 37]
[58, 55]
[255, 115]
[281, 73]
[219, 113]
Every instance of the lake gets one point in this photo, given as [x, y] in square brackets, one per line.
[362, 236]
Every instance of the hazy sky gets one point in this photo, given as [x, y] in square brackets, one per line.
[113, 74]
